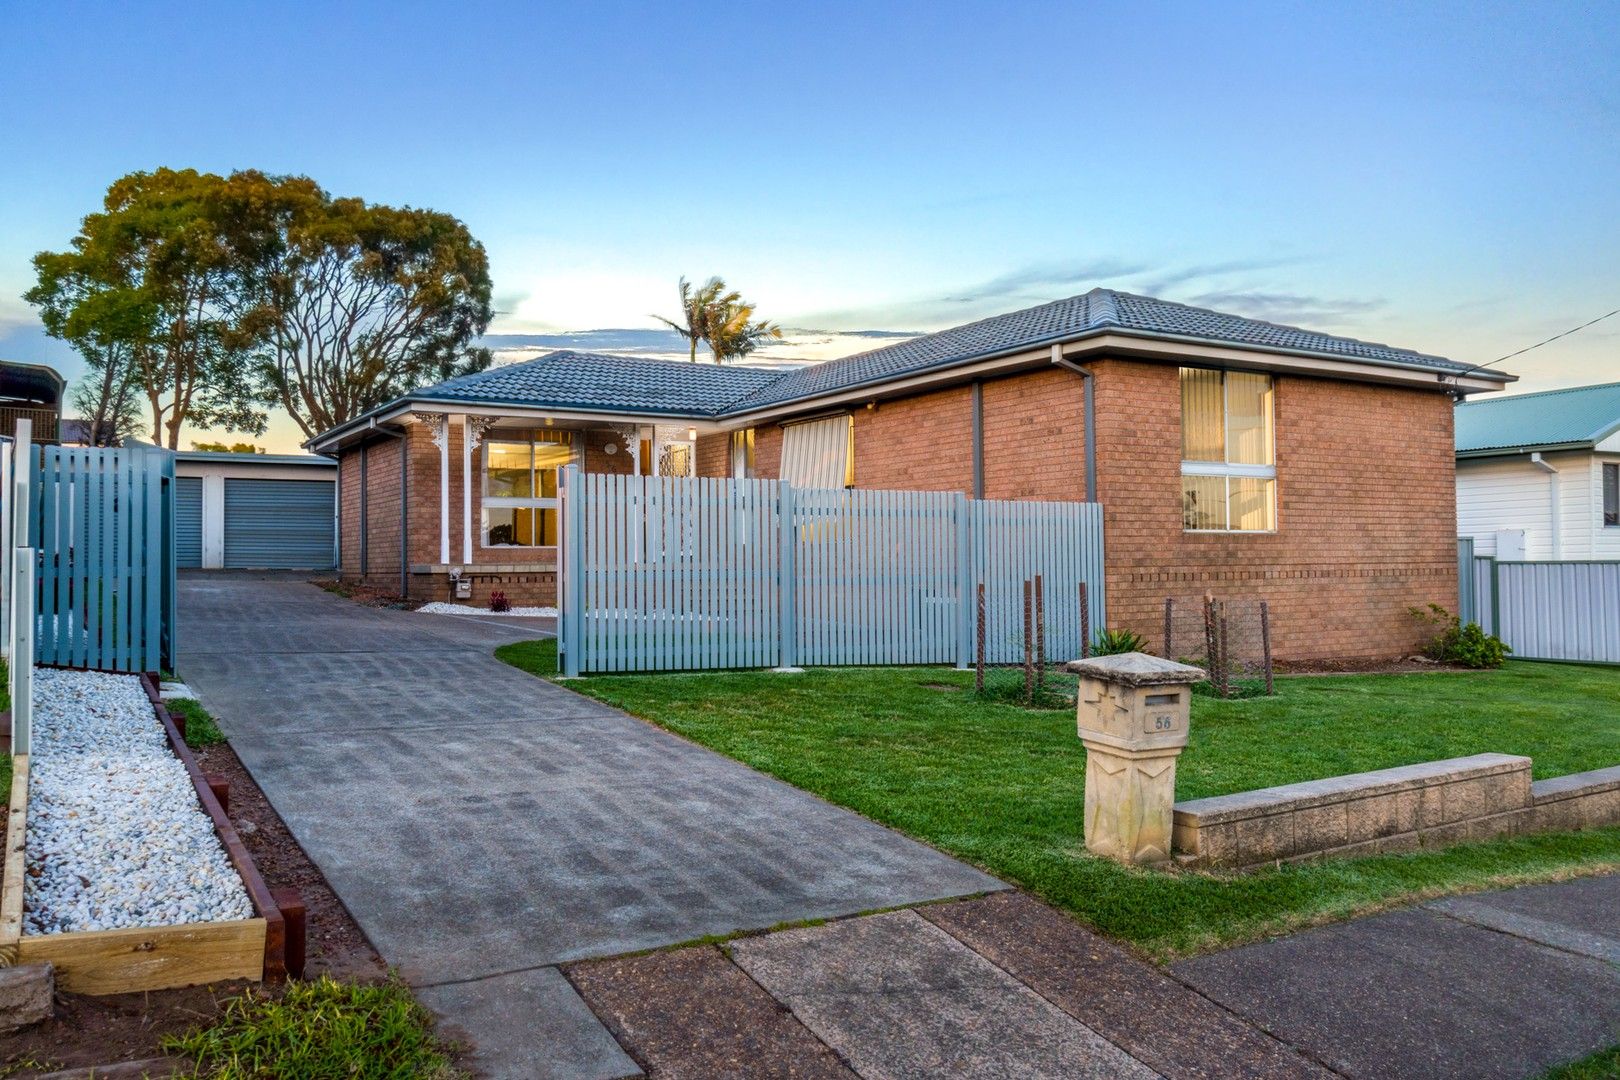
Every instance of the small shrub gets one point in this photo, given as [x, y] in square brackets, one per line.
[1114, 642]
[1456, 642]
[499, 602]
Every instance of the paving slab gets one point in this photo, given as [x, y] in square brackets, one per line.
[692, 1014]
[1167, 1026]
[899, 998]
[528, 1025]
[1581, 916]
[1414, 994]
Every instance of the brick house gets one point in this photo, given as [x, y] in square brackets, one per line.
[1231, 456]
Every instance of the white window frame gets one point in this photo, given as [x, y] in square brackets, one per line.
[1230, 470]
[490, 502]
[1607, 469]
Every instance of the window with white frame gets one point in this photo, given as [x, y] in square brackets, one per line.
[1611, 495]
[1228, 462]
[521, 471]
[742, 454]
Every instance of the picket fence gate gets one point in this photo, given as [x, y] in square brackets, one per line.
[94, 531]
[675, 573]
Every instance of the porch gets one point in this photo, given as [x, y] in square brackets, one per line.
[470, 504]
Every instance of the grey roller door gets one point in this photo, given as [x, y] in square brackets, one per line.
[278, 524]
[188, 522]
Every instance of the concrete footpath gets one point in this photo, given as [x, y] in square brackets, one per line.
[1503, 984]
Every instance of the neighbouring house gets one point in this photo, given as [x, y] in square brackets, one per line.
[255, 511]
[1231, 456]
[31, 392]
[1538, 475]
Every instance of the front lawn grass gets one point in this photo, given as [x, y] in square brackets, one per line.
[320, 1028]
[1001, 785]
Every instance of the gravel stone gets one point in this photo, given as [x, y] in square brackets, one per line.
[439, 607]
[116, 836]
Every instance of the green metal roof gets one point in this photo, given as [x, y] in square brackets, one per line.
[1576, 417]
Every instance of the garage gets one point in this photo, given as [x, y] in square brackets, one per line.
[255, 511]
[278, 524]
[188, 522]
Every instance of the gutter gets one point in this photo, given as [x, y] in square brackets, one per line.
[1088, 391]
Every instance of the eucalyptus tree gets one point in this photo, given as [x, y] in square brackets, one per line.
[161, 272]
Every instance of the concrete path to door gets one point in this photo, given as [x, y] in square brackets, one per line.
[484, 826]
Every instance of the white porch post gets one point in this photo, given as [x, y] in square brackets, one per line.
[473, 428]
[439, 424]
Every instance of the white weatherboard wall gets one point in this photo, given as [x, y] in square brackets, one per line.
[1561, 513]
[214, 469]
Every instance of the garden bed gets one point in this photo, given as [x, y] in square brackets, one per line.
[122, 868]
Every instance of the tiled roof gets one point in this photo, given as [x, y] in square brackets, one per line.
[579, 380]
[569, 379]
[1576, 416]
[1097, 311]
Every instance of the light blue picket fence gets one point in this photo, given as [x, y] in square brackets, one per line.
[665, 573]
[102, 524]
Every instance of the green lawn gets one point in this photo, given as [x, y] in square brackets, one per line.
[1001, 785]
[1603, 1065]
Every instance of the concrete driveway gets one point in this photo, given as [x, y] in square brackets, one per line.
[483, 825]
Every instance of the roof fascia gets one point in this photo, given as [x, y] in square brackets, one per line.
[1518, 451]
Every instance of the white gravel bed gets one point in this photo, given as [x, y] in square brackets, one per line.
[116, 836]
[439, 607]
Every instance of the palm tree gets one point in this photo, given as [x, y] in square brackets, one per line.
[721, 318]
[698, 307]
[733, 333]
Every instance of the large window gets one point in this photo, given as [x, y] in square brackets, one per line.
[1611, 495]
[520, 487]
[1228, 463]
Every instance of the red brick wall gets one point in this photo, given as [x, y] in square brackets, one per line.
[1365, 518]
[714, 455]
[1035, 437]
[922, 443]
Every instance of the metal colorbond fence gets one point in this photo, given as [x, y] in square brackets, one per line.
[1548, 610]
[102, 523]
[666, 573]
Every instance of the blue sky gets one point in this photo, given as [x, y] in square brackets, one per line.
[1443, 178]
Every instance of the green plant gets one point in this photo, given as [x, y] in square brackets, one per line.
[201, 730]
[375, 1031]
[1456, 642]
[1113, 642]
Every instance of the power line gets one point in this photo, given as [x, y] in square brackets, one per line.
[1537, 345]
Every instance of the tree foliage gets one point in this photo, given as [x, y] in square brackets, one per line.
[358, 303]
[221, 295]
[227, 448]
[722, 319]
[108, 397]
[163, 271]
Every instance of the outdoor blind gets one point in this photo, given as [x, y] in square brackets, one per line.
[815, 454]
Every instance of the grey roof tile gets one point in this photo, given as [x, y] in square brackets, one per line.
[591, 381]
[588, 380]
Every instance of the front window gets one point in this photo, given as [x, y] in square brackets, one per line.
[1611, 495]
[1228, 462]
[742, 454]
[521, 471]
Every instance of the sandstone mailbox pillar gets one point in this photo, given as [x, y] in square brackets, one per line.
[1133, 721]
